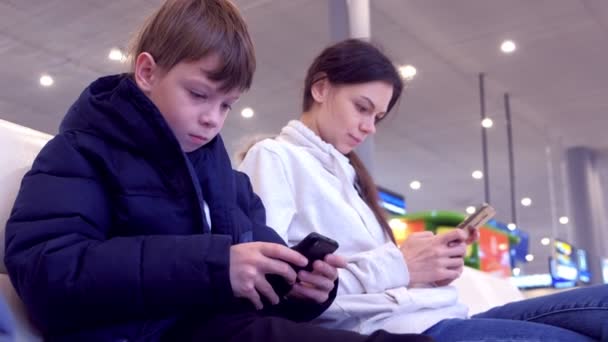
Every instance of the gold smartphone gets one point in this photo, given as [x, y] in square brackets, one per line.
[481, 216]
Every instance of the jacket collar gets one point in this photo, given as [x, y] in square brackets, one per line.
[116, 110]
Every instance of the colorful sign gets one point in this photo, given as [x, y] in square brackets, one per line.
[492, 253]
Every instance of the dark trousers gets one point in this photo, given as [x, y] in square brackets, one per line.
[254, 328]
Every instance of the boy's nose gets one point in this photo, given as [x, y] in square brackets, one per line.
[210, 118]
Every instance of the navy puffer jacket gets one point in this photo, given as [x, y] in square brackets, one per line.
[108, 238]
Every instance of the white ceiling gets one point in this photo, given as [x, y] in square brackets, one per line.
[556, 78]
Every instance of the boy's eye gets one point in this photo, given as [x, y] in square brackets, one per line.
[198, 95]
[226, 107]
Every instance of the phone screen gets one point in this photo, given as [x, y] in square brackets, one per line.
[315, 247]
[480, 217]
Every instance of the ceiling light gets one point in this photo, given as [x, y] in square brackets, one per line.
[545, 241]
[564, 220]
[247, 113]
[508, 46]
[526, 202]
[415, 185]
[477, 174]
[530, 257]
[516, 271]
[117, 55]
[471, 210]
[512, 226]
[487, 123]
[407, 71]
[46, 80]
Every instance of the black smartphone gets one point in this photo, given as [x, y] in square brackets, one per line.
[314, 247]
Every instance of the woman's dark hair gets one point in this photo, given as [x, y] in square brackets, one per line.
[355, 61]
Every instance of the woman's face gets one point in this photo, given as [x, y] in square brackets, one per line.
[345, 115]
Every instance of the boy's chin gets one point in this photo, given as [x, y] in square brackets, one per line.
[190, 148]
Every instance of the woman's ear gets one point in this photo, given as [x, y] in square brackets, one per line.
[145, 72]
[320, 90]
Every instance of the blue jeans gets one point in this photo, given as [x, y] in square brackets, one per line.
[576, 315]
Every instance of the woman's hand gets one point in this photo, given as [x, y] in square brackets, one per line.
[435, 259]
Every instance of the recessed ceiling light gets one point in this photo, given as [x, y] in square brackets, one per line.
[407, 71]
[477, 174]
[415, 185]
[526, 202]
[564, 220]
[529, 257]
[471, 210]
[512, 226]
[545, 241]
[46, 80]
[516, 271]
[487, 123]
[508, 46]
[117, 55]
[247, 113]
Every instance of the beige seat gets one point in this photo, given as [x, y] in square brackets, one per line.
[18, 148]
[481, 291]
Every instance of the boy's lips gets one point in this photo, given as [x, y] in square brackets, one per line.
[197, 139]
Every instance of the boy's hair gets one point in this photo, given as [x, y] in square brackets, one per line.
[188, 30]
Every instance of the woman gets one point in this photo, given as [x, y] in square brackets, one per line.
[310, 179]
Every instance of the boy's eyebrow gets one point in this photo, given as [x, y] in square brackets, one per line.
[205, 71]
[215, 88]
[207, 82]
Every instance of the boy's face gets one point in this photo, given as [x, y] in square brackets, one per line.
[192, 104]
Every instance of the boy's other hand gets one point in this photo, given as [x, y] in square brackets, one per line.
[317, 285]
[249, 264]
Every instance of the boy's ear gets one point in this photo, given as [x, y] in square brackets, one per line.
[319, 90]
[146, 72]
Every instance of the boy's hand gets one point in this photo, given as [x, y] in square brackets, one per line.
[249, 264]
[317, 285]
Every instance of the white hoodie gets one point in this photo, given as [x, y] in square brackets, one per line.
[307, 186]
